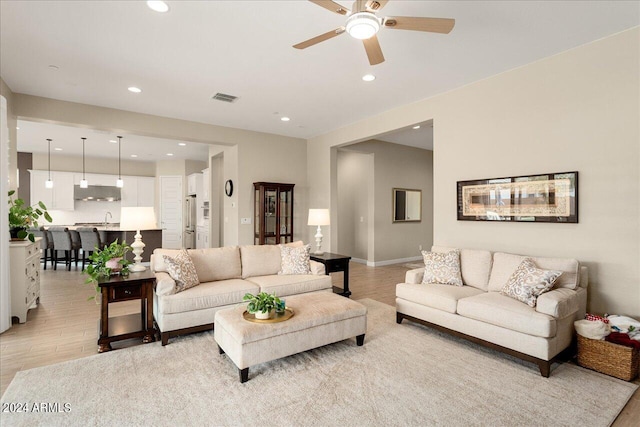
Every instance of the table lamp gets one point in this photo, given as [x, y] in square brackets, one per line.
[318, 217]
[137, 218]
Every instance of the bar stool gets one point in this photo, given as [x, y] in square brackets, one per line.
[76, 245]
[89, 241]
[62, 242]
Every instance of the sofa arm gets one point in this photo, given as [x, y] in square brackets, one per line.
[165, 285]
[558, 303]
[317, 268]
[414, 276]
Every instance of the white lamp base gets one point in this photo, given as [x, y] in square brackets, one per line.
[138, 249]
[318, 237]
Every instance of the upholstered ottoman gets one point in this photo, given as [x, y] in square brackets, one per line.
[320, 318]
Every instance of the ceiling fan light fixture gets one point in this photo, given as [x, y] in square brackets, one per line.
[362, 25]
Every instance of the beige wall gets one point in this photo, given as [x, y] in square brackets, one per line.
[93, 164]
[578, 110]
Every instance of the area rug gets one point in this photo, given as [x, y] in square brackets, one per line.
[403, 375]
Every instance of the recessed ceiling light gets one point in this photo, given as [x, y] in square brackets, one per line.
[169, 154]
[54, 67]
[368, 77]
[58, 149]
[17, 128]
[285, 119]
[158, 6]
[134, 155]
[182, 144]
[134, 89]
[416, 127]
[113, 141]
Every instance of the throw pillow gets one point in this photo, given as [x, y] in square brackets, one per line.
[295, 260]
[182, 270]
[528, 282]
[442, 268]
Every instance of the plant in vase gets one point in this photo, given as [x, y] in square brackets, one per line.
[23, 216]
[261, 305]
[106, 262]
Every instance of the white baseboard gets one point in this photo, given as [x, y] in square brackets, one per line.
[387, 262]
[359, 260]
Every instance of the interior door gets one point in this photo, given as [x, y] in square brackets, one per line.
[171, 211]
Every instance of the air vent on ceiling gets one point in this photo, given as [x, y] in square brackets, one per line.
[224, 97]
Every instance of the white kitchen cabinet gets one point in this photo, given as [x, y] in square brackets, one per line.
[129, 191]
[206, 184]
[25, 277]
[202, 237]
[146, 191]
[60, 197]
[192, 184]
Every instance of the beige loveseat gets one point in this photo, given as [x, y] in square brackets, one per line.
[478, 311]
[226, 275]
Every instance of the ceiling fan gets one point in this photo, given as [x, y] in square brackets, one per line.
[362, 23]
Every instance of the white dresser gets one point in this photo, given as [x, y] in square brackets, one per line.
[25, 277]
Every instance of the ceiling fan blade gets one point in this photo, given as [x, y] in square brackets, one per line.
[317, 39]
[432, 25]
[375, 5]
[331, 6]
[374, 52]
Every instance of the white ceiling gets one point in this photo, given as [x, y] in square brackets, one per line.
[244, 48]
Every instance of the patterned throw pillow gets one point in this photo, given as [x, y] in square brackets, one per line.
[528, 282]
[442, 268]
[295, 260]
[182, 270]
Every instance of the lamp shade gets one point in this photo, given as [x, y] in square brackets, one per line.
[137, 218]
[318, 217]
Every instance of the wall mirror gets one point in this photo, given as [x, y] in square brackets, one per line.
[407, 205]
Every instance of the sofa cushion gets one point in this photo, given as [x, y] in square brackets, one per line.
[260, 260]
[505, 264]
[284, 285]
[558, 303]
[475, 265]
[217, 263]
[500, 310]
[443, 268]
[528, 282]
[206, 295]
[157, 262]
[182, 270]
[441, 297]
[294, 260]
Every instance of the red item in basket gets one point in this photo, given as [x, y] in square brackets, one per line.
[595, 318]
[622, 339]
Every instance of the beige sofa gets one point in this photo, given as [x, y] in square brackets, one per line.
[478, 311]
[226, 275]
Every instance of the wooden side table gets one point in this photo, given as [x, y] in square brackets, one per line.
[334, 263]
[120, 288]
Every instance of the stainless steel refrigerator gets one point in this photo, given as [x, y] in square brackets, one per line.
[190, 222]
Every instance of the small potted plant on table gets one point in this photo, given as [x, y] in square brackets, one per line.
[108, 261]
[261, 305]
[23, 216]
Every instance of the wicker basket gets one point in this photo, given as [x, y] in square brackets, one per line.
[612, 359]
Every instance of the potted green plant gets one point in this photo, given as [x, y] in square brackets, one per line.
[108, 261]
[23, 216]
[261, 305]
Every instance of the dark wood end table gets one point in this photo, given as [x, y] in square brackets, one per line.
[335, 263]
[138, 325]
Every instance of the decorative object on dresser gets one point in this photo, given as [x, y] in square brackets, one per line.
[273, 213]
[108, 261]
[137, 218]
[319, 217]
[549, 197]
[25, 277]
[137, 325]
[23, 216]
[334, 263]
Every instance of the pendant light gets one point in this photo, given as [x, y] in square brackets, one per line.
[119, 182]
[48, 183]
[83, 182]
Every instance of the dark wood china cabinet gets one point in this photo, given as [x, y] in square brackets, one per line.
[273, 213]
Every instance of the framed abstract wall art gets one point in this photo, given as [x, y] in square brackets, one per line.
[549, 197]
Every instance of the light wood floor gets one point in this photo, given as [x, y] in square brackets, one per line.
[65, 325]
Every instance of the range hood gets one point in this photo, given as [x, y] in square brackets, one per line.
[97, 193]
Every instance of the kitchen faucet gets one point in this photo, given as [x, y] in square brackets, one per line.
[108, 214]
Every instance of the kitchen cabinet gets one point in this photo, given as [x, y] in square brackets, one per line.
[60, 197]
[206, 184]
[146, 191]
[273, 213]
[192, 184]
[129, 192]
[202, 237]
[25, 277]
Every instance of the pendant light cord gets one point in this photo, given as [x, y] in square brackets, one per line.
[119, 156]
[83, 139]
[49, 159]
